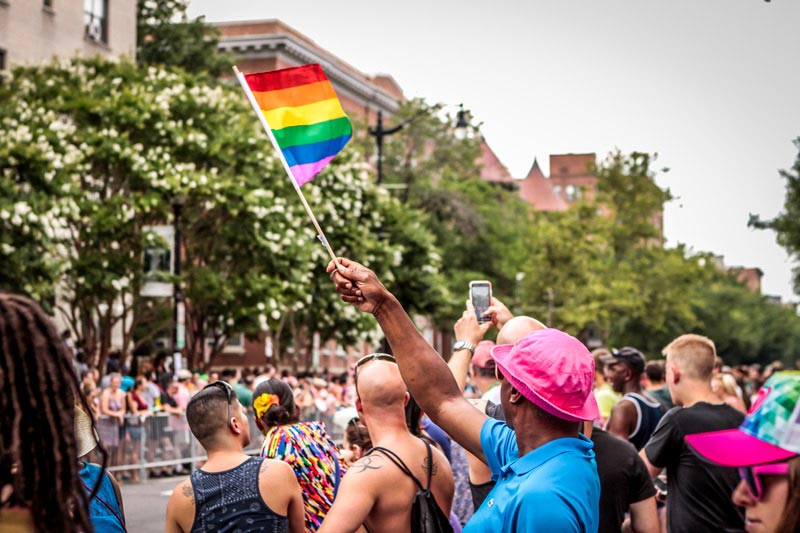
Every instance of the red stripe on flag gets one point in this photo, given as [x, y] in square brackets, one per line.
[285, 78]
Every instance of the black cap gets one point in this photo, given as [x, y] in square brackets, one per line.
[627, 355]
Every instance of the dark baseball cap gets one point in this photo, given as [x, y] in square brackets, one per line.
[627, 355]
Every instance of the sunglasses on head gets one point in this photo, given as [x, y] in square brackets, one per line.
[371, 357]
[228, 393]
[751, 475]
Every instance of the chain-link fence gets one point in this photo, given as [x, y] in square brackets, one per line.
[152, 445]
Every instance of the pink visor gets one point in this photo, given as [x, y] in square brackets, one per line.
[734, 447]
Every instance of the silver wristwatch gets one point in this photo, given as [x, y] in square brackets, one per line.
[464, 345]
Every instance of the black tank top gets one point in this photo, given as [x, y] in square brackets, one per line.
[650, 413]
[230, 501]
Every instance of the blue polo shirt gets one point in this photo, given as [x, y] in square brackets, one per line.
[553, 488]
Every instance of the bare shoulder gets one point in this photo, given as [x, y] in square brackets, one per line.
[184, 493]
[440, 462]
[368, 465]
[275, 470]
[181, 503]
[625, 405]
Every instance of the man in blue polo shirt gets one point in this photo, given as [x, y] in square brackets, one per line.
[554, 485]
[545, 470]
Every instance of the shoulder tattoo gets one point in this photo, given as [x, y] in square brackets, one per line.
[427, 463]
[369, 462]
[265, 464]
[186, 490]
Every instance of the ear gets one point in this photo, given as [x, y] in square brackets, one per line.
[676, 375]
[515, 396]
[233, 423]
[406, 398]
[629, 374]
[359, 410]
[260, 425]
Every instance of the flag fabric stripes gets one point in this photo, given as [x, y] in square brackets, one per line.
[305, 116]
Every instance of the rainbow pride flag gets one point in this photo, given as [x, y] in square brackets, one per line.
[305, 116]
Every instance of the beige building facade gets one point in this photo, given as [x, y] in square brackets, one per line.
[35, 31]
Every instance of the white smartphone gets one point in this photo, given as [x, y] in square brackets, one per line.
[480, 293]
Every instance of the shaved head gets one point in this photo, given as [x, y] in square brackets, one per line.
[518, 327]
[380, 385]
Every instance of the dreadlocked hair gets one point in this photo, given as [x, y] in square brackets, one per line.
[38, 393]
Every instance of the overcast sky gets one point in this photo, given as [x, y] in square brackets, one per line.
[710, 85]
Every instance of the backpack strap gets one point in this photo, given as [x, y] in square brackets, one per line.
[430, 463]
[393, 457]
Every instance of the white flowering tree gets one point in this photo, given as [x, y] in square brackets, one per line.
[91, 152]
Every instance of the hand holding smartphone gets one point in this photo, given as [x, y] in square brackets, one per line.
[480, 294]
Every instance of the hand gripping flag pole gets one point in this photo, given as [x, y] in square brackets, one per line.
[304, 120]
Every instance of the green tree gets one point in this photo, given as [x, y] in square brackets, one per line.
[94, 151]
[787, 224]
[479, 227]
[166, 36]
[632, 200]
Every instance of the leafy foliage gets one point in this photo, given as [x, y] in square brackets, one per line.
[166, 36]
[94, 151]
[787, 224]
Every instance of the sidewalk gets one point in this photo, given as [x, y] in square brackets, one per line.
[146, 503]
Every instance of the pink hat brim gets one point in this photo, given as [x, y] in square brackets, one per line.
[588, 411]
[734, 447]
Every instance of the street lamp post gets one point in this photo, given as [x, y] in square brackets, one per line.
[178, 310]
[379, 132]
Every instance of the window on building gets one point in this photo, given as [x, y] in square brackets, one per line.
[557, 189]
[573, 193]
[47, 3]
[2, 59]
[95, 20]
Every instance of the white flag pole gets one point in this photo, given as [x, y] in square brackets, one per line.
[263, 119]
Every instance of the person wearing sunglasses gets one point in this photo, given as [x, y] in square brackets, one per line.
[376, 492]
[766, 451]
[546, 473]
[232, 491]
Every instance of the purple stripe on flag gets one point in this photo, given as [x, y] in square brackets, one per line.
[305, 173]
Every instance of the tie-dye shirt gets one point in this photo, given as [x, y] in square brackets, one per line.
[308, 449]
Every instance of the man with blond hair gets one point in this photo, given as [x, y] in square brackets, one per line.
[699, 493]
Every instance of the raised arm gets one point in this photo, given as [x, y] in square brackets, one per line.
[425, 373]
[467, 329]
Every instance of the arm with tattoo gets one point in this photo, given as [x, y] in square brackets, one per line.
[358, 493]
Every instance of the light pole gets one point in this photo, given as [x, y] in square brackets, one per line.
[379, 132]
[178, 310]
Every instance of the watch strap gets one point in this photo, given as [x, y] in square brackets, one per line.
[464, 345]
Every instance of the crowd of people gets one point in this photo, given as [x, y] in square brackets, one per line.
[531, 432]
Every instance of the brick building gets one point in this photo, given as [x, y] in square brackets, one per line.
[749, 277]
[35, 31]
[265, 45]
[538, 191]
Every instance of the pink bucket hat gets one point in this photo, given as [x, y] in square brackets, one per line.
[770, 431]
[553, 370]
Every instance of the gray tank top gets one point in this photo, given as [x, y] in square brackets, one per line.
[230, 502]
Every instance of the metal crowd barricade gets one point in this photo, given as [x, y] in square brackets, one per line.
[161, 441]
